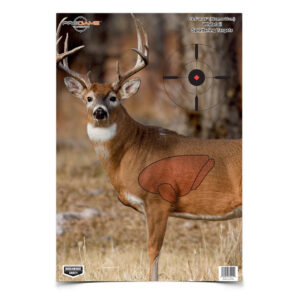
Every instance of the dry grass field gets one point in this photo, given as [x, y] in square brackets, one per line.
[112, 244]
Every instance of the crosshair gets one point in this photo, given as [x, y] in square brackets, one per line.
[196, 77]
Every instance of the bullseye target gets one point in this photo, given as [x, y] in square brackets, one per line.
[186, 83]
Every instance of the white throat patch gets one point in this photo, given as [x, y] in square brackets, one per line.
[101, 134]
[102, 151]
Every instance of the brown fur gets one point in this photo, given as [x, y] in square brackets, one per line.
[135, 146]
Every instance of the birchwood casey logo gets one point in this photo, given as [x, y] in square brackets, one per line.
[73, 271]
[81, 24]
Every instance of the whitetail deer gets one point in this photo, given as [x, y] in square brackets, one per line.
[156, 171]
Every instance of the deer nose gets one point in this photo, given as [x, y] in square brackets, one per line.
[100, 113]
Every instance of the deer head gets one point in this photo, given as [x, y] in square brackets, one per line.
[103, 100]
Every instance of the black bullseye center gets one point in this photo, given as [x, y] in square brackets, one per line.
[196, 77]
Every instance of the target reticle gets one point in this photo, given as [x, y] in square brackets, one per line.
[196, 77]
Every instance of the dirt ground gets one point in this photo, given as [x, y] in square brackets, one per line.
[111, 244]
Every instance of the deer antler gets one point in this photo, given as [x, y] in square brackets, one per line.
[142, 57]
[62, 58]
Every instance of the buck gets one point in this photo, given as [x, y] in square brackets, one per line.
[155, 171]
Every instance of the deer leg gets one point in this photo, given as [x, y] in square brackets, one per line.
[157, 217]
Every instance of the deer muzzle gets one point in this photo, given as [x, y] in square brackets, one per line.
[100, 113]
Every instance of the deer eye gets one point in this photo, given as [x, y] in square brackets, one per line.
[89, 99]
[112, 99]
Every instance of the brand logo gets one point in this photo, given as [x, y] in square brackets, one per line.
[73, 271]
[81, 24]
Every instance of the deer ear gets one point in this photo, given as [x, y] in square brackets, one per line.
[130, 88]
[75, 87]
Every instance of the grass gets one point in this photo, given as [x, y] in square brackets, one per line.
[112, 246]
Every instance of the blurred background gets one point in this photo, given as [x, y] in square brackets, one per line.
[93, 228]
[170, 40]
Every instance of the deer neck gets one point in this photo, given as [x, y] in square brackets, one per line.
[113, 141]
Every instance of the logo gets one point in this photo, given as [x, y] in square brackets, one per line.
[81, 24]
[73, 271]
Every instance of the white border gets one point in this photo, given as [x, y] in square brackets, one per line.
[271, 152]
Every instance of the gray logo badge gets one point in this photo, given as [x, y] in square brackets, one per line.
[81, 24]
[73, 271]
[81, 20]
